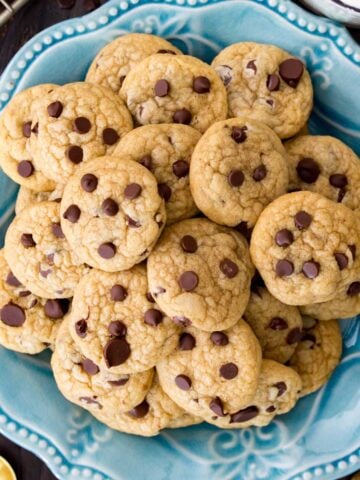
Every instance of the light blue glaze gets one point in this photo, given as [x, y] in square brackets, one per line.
[320, 438]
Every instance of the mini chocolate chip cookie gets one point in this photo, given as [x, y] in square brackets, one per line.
[15, 131]
[327, 166]
[82, 382]
[277, 393]
[277, 326]
[28, 324]
[116, 324]
[151, 416]
[166, 151]
[76, 123]
[111, 65]
[237, 168]
[266, 83]
[303, 246]
[212, 373]
[199, 273]
[112, 213]
[174, 89]
[27, 197]
[318, 353]
[39, 255]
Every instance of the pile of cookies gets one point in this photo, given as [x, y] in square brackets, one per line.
[180, 241]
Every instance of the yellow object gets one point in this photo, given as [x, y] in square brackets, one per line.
[6, 472]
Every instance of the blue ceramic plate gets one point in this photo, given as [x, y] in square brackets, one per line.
[320, 438]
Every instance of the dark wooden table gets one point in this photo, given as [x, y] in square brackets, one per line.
[32, 18]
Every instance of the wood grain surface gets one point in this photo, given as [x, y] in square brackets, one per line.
[34, 17]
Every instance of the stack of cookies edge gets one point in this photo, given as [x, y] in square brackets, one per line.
[181, 243]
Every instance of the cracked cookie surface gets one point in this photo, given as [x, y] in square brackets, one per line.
[27, 197]
[199, 273]
[211, 372]
[111, 65]
[39, 255]
[112, 214]
[116, 324]
[304, 247]
[15, 131]
[318, 353]
[237, 168]
[267, 84]
[76, 123]
[166, 151]
[174, 89]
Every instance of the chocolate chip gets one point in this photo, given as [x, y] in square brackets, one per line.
[188, 281]
[244, 230]
[294, 336]
[216, 406]
[55, 109]
[341, 260]
[302, 220]
[236, 178]
[341, 195]
[90, 367]
[149, 297]
[110, 136]
[259, 173]
[116, 352]
[117, 329]
[132, 191]
[35, 130]
[164, 50]
[219, 338]
[89, 182]
[57, 231]
[228, 371]
[27, 240]
[12, 315]
[245, 414]
[291, 71]
[81, 328]
[311, 269]
[118, 293]
[56, 308]
[162, 88]
[225, 73]
[338, 180]
[146, 161]
[282, 387]
[25, 168]
[186, 342]
[12, 280]
[45, 273]
[201, 85]
[26, 129]
[50, 258]
[352, 249]
[271, 409]
[182, 116]
[183, 382]
[181, 321]
[284, 268]
[238, 134]
[164, 191]
[119, 383]
[72, 213]
[110, 207]
[273, 83]
[107, 250]
[278, 323]
[132, 223]
[153, 317]
[229, 268]
[75, 154]
[354, 289]
[252, 66]
[270, 102]
[140, 410]
[308, 170]
[82, 125]
[181, 168]
[189, 244]
[284, 238]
